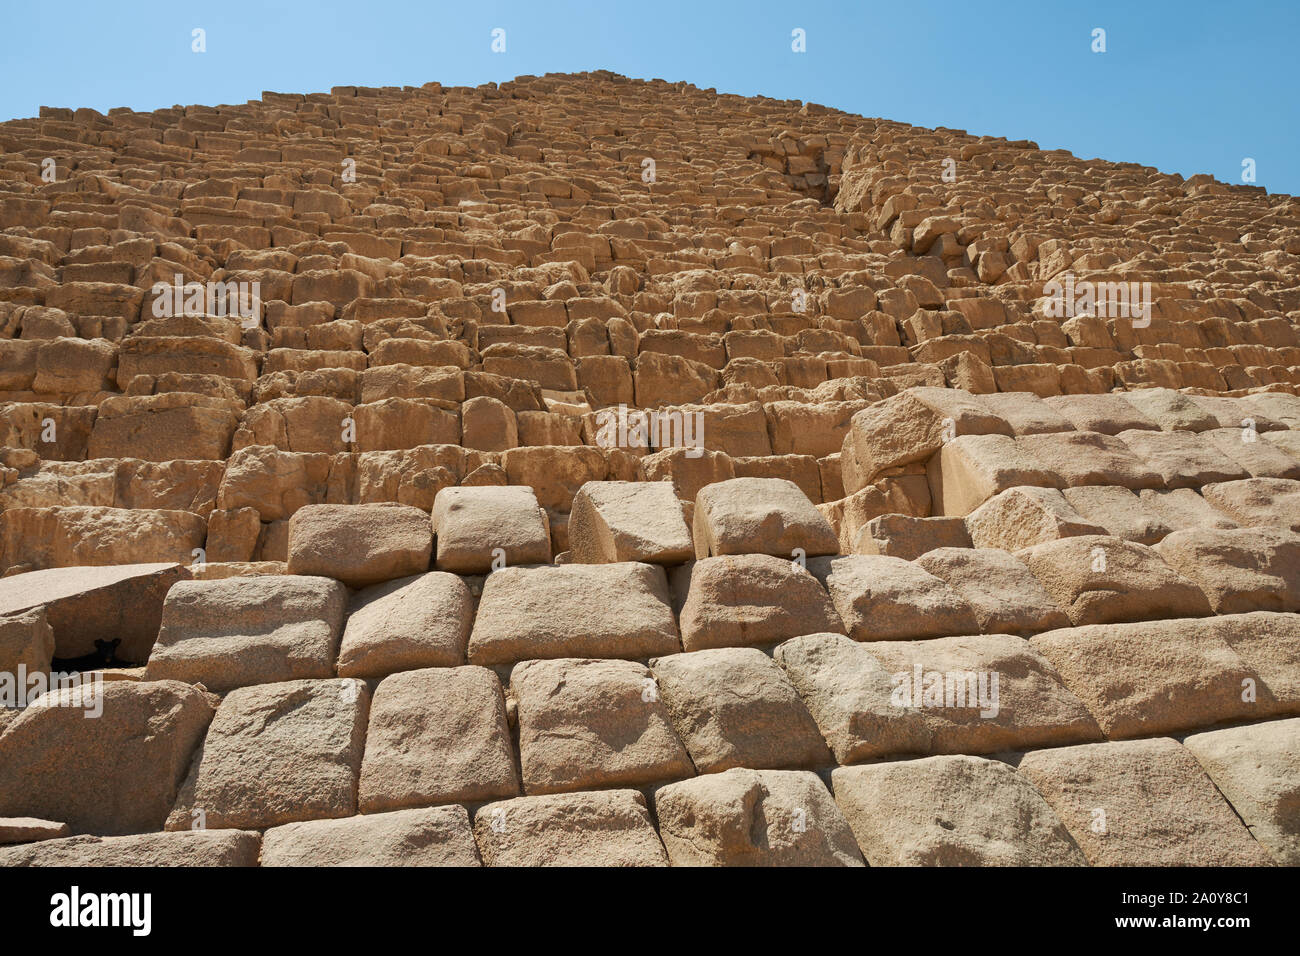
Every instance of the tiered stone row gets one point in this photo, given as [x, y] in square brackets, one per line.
[366, 585]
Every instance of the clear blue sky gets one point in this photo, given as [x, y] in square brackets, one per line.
[1189, 87]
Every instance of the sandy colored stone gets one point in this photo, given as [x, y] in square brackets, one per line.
[901, 536]
[82, 604]
[1120, 511]
[436, 836]
[30, 829]
[406, 624]
[884, 599]
[249, 630]
[1257, 768]
[1182, 459]
[971, 469]
[604, 610]
[1238, 569]
[759, 516]
[735, 707]
[999, 587]
[437, 735]
[276, 753]
[911, 426]
[1099, 579]
[26, 648]
[1155, 677]
[1171, 410]
[982, 694]
[605, 828]
[747, 817]
[188, 848]
[471, 524]
[1026, 413]
[32, 539]
[1258, 502]
[136, 753]
[359, 545]
[628, 521]
[1023, 517]
[1160, 808]
[951, 811]
[1109, 413]
[847, 691]
[1089, 458]
[1258, 457]
[754, 600]
[1182, 509]
[593, 723]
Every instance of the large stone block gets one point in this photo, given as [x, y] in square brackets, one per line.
[887, 599]
[360, 545]
[760, 516]
[951, 811]
[606, 828]
[476, 526]
[753, 599]
[409, 623]
[1000, 589]
[735, 707]
[276, 753]
[249, 630]
[585, 724]
[1098, 579]
[587, 610]
[437, 735]
[1141, 803]
[1257, 767]
[754, 818]
[628, 521]
[437, 836]
[135, 753]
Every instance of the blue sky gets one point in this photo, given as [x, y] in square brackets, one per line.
[1188, 87]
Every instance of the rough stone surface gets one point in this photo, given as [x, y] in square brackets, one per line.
[409, 623]
[606, 828]
[609, 610]
[754, 818]
[585, 724]
[760, 516]
[951, 811]
[136, 752]
[83, 605]
[437, 836]
[1160, 808]
[276, 753]
[1257, 768]
[628, 521]
[436, 735]
[359, 545]
[998, 586]
[249, 630]
[190, 848]
[1097, 579]
[881, 599]
[473, 523]
[753, 600]
[735, 707]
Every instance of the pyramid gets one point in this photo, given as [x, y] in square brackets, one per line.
[590, 471]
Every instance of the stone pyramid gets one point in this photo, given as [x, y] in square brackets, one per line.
[584, 470]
